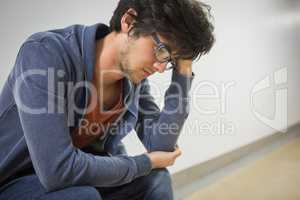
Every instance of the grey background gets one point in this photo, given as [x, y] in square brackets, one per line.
[254, 40]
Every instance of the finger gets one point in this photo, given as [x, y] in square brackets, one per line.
[177, 152]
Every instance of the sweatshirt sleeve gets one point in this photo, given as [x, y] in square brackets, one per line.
[158, 129]
[58, 164]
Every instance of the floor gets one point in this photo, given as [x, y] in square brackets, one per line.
[276, 176]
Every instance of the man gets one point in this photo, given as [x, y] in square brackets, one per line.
[75, 92]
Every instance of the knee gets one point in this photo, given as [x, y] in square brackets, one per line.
[86, 193]
[160, 186]
[29, 187]
[74, 193]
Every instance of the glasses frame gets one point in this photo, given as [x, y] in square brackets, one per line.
[159, 46]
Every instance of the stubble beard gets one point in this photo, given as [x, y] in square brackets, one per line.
[125, 68]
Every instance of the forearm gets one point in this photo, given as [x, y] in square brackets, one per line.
[159, 131]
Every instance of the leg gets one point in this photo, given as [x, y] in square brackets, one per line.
[155, 186]
[30, 188]
[160, 186]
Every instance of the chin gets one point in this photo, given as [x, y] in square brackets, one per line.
[136, 79]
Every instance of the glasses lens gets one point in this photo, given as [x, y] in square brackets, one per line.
[163, 55]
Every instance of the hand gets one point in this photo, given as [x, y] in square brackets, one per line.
[162, 159]
[184, 66]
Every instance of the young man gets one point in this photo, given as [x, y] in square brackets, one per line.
[75, 92]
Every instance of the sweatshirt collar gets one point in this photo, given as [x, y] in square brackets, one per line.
[91, 34]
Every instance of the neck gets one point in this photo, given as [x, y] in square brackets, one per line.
[106, 70]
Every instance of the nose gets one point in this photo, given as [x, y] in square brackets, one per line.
[160, 67]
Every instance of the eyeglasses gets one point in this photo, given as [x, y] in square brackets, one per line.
[163, 53]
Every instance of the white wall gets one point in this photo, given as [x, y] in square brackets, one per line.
[255, 39]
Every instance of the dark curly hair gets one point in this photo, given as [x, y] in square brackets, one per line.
[185, 23]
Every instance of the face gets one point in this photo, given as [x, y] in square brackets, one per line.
[137, 58]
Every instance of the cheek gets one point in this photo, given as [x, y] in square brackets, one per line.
[143, 57]
[145, 51]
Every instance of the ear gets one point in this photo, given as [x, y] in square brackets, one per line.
[127, 20]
